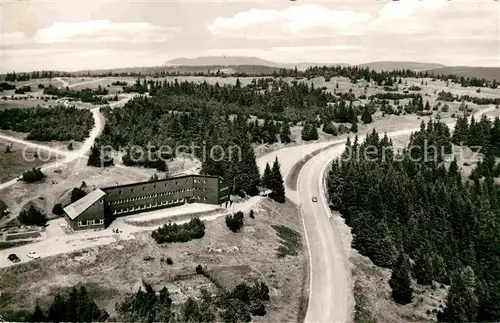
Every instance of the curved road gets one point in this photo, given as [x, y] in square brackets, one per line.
[331, 296]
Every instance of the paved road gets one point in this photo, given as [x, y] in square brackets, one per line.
[330, 292]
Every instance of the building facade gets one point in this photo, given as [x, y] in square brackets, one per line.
[87, 212]
[146, 196]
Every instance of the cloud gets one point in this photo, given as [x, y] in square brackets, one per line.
[297, 20]
[104, 31]
[94, 31]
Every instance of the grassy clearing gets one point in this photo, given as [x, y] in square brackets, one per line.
[290, 242]
[14, 163]
[361, 312]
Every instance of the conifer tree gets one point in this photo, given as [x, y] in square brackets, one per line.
[400, 281]
[462, 303]
[285, 134]
[37, 315]
[267, 177]
[278, 186]
[354, 126]
[366, 116]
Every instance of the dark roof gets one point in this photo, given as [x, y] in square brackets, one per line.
[159, 181]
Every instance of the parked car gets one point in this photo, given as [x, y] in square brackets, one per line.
[315, 199]
[32, 255]
[13, 257]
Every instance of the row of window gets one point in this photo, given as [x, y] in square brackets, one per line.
[166, 185]
[156, 195]
[86, 223]
[149, 206]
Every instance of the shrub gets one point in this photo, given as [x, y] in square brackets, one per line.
[194, 229]
[235, 222]
[252, 214]
[199, 270]
[58, 209]
[33, 176]
[32, 216]
[169, 261]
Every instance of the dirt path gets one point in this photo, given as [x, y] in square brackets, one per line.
[69, 156]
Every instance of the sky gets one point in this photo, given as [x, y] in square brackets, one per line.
[94, 34]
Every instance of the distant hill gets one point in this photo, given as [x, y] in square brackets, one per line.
[241, 61]
[395, 65]
[488, 73]
[220, 61]
[257, 66]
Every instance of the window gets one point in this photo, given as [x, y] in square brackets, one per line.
[131, 190]
[205, 181]
[82, 223]
[101, 221]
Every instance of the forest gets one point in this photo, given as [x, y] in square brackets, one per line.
[423, 220]
[46, 124]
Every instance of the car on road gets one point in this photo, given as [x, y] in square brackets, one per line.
[13, 257]
[33, 255]
[315, 199]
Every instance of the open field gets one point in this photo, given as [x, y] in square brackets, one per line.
[20, 159]
[109, 272]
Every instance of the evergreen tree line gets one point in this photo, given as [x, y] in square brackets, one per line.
[238, 305]
[147, 305]
[277, 100]
[482, 135]
[422, 220]
[46, 124]
[389, 77]
[77, 306]
[449, 97]
[85, 95]
[12, 77]
[352, 72]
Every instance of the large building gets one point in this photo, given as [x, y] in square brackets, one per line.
[89, 212]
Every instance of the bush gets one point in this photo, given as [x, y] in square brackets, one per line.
[169, 261]
[32, 216]
[33, 176]
[235, 222]
[199, 270]
[194, 229]
[252, 214]
[76, 194]
[58, 209]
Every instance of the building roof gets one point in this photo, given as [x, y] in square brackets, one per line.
[161, 180]
[75, 209]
